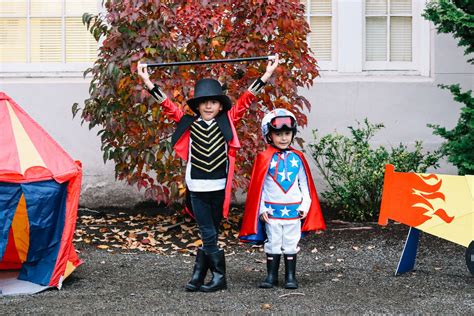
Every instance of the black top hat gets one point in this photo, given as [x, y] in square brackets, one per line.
[208, 89]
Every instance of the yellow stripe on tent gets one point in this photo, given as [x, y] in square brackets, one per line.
[69, 269]
[21, 229]
[27, 153]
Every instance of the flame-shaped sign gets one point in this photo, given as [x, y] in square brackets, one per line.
[441, 205]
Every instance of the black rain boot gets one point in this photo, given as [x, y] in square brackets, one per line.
[290, 270]
[216, 263]
[199, 272]
[273, 263]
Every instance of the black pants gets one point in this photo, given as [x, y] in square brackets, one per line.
[207, 209]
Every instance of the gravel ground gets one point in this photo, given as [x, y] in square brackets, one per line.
[339, 271]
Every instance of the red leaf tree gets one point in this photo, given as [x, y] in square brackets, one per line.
[133, 132]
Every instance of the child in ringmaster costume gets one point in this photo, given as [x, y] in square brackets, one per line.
[208, 142]
[282, 202]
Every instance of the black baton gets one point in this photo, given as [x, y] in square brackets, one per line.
[210, 61]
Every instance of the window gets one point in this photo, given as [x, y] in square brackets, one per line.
[319, 15]
[363, 36]
[45, 35]
[388, 34]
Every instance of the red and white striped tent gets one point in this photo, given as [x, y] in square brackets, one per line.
[39, 195]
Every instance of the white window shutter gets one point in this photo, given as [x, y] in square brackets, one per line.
[401, 38]
[376, 7]
[13, 40]
[13, 31]
[13, 7]
[400, 7]
[376, 39]
[320, 23]
[46, 8]
[320, 37]
[320, 7]
[80, 44]
[79, 7]
[46, 40]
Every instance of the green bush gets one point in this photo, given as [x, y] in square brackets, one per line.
[354, 170]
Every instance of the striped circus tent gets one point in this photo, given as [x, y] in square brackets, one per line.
[39, 195]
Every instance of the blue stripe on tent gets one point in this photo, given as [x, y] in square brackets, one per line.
[10, 194]
[46, 207]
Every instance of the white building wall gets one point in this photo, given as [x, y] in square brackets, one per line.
[405, 104]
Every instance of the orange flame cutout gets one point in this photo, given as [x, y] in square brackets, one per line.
[408, 198]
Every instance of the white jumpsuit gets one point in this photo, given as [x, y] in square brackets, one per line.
[285, 194]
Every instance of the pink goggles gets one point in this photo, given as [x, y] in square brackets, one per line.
[280, 121]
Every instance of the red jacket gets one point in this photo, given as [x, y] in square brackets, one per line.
[173, 112]
[252, 229]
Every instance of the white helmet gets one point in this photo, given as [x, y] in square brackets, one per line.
[272, 122]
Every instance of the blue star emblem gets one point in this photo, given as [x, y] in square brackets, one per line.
[284, 169]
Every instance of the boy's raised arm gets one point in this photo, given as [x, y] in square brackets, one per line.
[172, 111]
[247, 98]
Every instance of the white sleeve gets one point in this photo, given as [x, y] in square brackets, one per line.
[303, 184]
[262, 208]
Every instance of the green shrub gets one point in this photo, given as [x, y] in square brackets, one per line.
[354, 170]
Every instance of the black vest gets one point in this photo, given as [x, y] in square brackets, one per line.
[208, 155]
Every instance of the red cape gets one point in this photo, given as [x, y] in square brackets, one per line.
[250, 230]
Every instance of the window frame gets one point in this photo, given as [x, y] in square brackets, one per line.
[348, 43]
[421, 41]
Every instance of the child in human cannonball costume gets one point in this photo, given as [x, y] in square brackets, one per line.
[282, 202]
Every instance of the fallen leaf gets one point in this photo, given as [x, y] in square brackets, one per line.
[266, 306]
[292, 293]
[196, 243]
